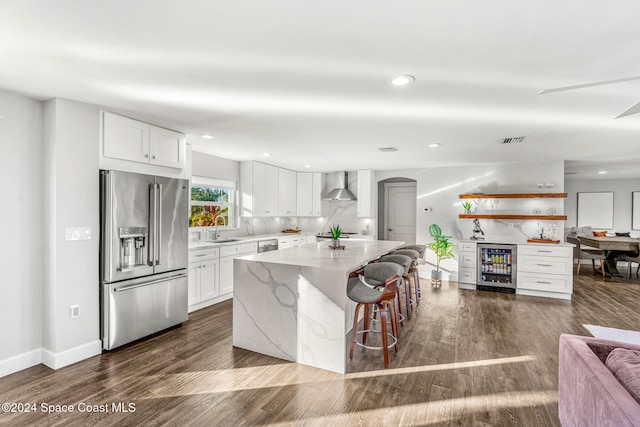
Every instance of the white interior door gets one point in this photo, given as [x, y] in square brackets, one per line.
[400, 212]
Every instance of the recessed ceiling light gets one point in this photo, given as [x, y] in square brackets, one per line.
[402, 80]
[207, 136]
[434, 145]
[266, 154]
[601, 172]
[307, 166]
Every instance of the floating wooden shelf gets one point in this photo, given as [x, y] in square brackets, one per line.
[513, 216]
[514, 196]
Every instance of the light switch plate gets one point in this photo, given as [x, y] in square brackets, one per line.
[77, 233]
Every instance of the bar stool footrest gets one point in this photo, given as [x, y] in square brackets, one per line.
[393, 342]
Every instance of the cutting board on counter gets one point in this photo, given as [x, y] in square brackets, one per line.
[543, 241]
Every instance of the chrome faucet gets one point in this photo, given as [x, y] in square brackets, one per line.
[216, 234]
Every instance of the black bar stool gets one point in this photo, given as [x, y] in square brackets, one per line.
[368, 290]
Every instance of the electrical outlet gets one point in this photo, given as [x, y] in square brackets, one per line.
[74, 311]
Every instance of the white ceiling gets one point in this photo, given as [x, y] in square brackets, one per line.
[306, 80]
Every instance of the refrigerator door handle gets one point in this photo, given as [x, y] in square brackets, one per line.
[159, 225]
[154, 282]
[151, 248]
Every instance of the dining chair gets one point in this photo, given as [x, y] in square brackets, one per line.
[630, 260]
[592, 254]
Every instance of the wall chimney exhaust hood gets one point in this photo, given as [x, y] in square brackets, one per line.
[341, 190]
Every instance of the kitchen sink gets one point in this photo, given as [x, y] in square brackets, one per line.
[223, 240]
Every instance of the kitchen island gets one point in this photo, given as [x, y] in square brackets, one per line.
[292, 303]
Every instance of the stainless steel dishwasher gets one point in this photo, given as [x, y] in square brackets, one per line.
[267, 245]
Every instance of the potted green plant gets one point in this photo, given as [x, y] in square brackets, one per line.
[443, 248]
[466, 206]
[336, 232]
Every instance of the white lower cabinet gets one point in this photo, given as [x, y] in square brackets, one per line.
[545, 271]
[226, 274]
[284, 242]
[227, 255]
[203, 284]
[467, 263]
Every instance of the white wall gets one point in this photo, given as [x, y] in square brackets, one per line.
[439, 188]
[622, 189]
[71, 272]
[214, 167]
[21, 217]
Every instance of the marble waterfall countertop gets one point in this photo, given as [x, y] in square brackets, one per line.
[200, 244]
[234, 240]
[354, 255]
[293, 304]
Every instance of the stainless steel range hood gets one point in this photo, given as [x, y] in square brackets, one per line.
[341, 190]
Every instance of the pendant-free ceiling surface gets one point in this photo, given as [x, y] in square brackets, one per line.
[308, 82]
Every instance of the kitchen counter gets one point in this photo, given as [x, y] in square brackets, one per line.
[514, 242]
[242, 239]
[292, 303]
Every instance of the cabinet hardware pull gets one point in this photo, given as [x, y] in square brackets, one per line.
[545, 265]
[544, 283]
[543, 251]
[201, 255]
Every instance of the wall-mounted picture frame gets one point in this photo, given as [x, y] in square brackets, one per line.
[635, 210]
[595, 209]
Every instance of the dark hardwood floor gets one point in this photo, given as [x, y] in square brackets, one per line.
[466, 358]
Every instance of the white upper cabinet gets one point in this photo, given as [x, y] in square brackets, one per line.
[166, 147]
[366, 180]
[286, 192]
[127, 139]
[309, 193]
[259, 189]
[317, 193]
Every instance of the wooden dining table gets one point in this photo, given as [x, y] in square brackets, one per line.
[612, 247]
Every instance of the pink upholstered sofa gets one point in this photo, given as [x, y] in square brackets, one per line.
[588, 393]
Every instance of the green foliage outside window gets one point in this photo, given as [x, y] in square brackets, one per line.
[207, 203]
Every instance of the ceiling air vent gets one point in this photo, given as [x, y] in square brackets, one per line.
[513, 140]
[388, 149]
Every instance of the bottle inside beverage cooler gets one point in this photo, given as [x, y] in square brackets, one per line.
[496, 265]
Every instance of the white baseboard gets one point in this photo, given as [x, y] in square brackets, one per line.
[209, 302]
[71, 356]
[546, 294]
[20, 362]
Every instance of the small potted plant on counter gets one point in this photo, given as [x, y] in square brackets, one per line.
[336, 232]
[443, 249]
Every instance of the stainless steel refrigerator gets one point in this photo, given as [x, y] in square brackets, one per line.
[143, 255]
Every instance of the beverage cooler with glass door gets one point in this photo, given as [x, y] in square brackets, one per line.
[497, 267]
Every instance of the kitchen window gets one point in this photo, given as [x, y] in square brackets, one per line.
[210, 199]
